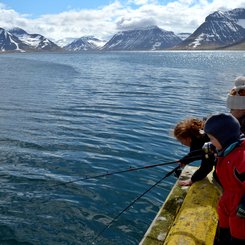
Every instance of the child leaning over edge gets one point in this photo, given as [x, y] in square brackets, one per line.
[224, 133]
[189, 132]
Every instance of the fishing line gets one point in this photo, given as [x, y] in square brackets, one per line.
[130, 169]
[132, 203]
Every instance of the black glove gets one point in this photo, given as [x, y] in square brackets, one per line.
[241, 208]
[209, 149]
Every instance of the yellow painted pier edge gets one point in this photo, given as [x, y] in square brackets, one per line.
[188, 216]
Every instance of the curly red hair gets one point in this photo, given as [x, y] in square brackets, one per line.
[190, 127]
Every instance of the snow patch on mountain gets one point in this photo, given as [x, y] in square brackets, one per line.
[197, 42]
[16, 44]
[32, 41]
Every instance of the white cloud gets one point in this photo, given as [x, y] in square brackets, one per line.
[142, 2]
[177, 16]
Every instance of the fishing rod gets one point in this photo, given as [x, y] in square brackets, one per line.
[132, 203]
[130, 169]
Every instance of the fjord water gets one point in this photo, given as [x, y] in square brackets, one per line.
[64, 116]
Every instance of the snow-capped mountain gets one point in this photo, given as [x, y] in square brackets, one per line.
[34, 41]
[9, 42]
[219, 30]
[150, 38]
[85, 44]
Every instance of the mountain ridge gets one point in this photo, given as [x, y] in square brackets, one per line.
[220, 30]
[149, 38]
[34, 41]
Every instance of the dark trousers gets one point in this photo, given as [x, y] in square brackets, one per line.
[224, 238]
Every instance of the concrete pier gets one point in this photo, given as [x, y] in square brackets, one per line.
[188, 216]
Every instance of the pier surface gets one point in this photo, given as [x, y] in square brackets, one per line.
[189, 214]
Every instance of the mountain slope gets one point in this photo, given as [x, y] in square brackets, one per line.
[237, 46]
[34, 41]
[152, 38]
[9, 42]
[219, 30]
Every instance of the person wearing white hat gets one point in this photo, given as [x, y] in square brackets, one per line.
[236, 101]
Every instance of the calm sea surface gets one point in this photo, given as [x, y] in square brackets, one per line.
[67, 116]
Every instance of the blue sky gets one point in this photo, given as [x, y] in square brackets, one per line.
[59, 19]
[37, 8]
